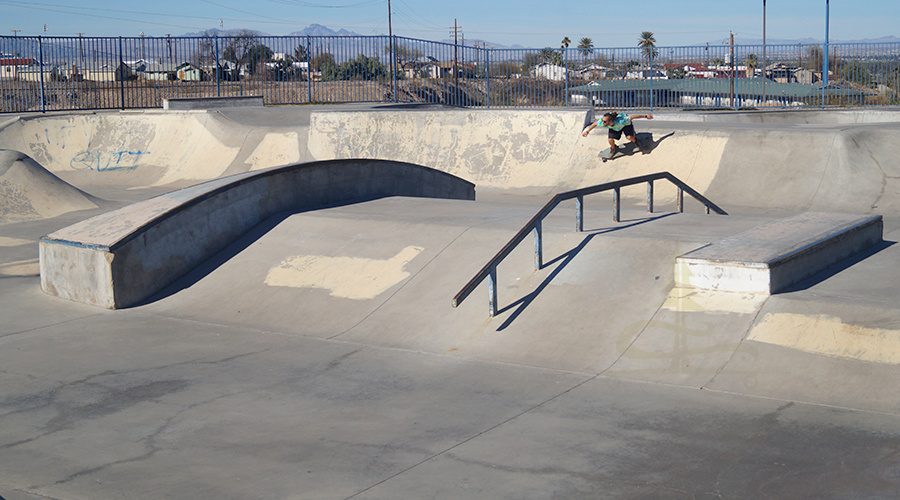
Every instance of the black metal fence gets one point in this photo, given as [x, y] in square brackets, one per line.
[76, 73]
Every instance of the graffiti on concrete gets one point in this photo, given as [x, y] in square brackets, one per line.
[108, 161]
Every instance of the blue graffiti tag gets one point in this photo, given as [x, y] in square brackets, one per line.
[114, 160]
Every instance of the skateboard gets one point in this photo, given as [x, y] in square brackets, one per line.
[624, 150]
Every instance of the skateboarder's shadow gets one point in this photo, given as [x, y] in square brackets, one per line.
[646, 138]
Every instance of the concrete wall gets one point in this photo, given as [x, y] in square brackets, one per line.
[151, 148]
[123, 257]
[790, 161]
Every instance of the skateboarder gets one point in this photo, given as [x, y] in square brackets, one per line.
[618, 123]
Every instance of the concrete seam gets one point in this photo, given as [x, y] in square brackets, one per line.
[48, 326]
[825, 170]
[808, 403]
[408, 280]
[737, 348]
[20, 490]
[372, 346]
[510, 419]
[639, 333]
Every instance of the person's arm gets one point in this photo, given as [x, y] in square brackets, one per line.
[588, 130]
[649, 117]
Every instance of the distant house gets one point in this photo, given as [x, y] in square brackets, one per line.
[645, 74]
[595, 72]
[187, 72]
[549, 71]
[36, 73]
[423, 67]
[10, 65]
[158, 72]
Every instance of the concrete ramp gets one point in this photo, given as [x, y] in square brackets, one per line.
[810, 164]
[155, 148]
[29, 192]
[120, 258]
[381, 273]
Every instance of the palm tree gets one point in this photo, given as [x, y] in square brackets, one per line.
[586, 47]
[565, 42]
[752, 64]
[551, 56]
[648, 42]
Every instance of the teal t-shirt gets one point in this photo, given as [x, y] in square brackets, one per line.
[622, 120]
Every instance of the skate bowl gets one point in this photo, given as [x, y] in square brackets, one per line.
[319, 353]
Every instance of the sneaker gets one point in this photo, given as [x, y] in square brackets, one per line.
[612, 152]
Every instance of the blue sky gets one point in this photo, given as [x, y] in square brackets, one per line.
[529, 23]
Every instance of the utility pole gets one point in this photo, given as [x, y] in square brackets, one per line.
[81, 47]
[731, 77]
[456, 34]
[16, 60]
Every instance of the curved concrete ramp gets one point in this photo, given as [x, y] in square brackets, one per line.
[29, 192]
[812, 163]
[122, 257]
[156, 148]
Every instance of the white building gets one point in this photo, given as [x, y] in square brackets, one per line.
[549, 71]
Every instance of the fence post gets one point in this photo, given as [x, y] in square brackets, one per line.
[308, 71]
[393, 65]
[651, 79]
[121, 71]
[566, 69]
[650, 196]
[487, 65]
[41, 69]
[218, 70]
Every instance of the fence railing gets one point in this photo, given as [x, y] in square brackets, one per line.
[534, 226]
[70, 73]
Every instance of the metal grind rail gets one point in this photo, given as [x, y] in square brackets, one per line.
[489, 271]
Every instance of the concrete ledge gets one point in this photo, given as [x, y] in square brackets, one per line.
[123, 257]
[189, 103]
[774, 256]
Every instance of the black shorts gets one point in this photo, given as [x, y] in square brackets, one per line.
[617, 134]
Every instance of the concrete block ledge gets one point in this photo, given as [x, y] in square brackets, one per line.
[124, 257]
[774, 256]
[191, 103]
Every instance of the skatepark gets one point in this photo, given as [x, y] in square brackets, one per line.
[309, 349]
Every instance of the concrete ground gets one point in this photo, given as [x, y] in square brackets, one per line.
[319, 357]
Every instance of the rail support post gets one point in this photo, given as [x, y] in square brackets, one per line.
[650, 197]
[538, 247]
[616, 205]
[579, 214]
[492, 291]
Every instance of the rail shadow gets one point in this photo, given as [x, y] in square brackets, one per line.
[566, 258]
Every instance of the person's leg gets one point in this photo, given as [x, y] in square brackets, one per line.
[613, 135]
[631, 135]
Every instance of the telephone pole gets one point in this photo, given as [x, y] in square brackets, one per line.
[456, 34]
[81, 47]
